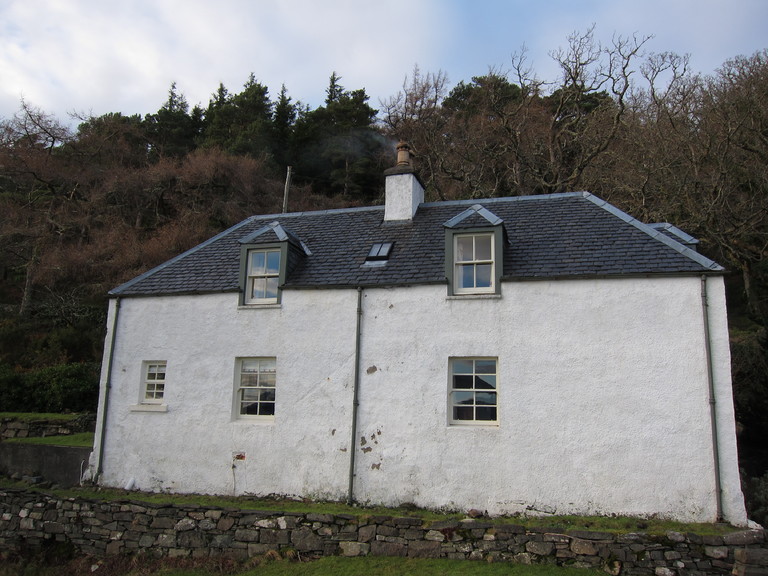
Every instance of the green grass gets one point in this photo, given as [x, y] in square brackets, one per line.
[380, 566]
[80, 440]
[613, 524]
[331, 566]
[35, 416]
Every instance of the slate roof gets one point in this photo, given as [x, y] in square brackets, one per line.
[573, 235]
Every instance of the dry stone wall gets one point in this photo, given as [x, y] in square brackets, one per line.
[33, 521]
[14, 428]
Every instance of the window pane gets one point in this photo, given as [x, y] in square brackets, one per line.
[485, 414]
[267, 365]
[250, 366]
[462, 366]
[257, 262]
[249, 379]
[460, 381]
[250, 394]
[270, 290]
[485, 382]
[483, 276]
[249, 408]
[482, 247]
[259, 288]
[467, 398]
[466, 276]
[485, 398]
[266, 409]
[267, 395]
[463, 412]
[485, 366]
[463, 248]
[273, 262]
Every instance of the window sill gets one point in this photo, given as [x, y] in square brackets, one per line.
[254, 306]
[474, 297]
[149, 408]
[254, 420]
[473, 424]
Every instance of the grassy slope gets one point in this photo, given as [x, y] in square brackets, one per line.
[38, 416]
[81, 440]
[615, 524]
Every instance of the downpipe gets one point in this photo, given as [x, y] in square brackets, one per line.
[355, 399]
[107, 388]
[712, 399]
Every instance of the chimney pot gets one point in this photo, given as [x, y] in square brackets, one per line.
[403, 154]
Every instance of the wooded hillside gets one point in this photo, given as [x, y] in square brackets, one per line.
[84, 210]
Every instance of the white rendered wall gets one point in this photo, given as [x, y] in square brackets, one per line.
[603, 398]
[190, 447]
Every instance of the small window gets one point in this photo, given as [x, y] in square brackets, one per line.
[263, 276]
[379, 251]
[473, 263]
[256, 382]
[473, 391]
[154, 382]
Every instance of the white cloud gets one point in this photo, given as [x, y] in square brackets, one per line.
[99, 56]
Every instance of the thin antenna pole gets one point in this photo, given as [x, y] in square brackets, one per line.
[285, 192]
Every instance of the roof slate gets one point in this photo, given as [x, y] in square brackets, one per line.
[549, 236]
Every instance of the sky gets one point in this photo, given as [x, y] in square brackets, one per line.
[91, 57]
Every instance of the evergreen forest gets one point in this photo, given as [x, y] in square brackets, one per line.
[87, 203]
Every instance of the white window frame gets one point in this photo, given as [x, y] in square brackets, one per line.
[467, 395]
[152, 387]
[269, 276]
[474, 262]
[265, 382]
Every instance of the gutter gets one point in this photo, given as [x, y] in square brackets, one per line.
[712, 400]
[107, 387]
[355, 399]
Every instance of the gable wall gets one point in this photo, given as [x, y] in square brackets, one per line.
[602, 395]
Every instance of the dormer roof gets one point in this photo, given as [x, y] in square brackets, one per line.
[473, 217]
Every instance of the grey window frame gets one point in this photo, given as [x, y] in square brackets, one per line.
[497, 246]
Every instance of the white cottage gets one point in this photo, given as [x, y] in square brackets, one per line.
[541, 355]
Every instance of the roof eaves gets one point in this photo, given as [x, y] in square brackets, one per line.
[123, 287]
[655, 234]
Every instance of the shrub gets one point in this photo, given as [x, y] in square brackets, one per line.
[61, 388]
[756, 498]
[11, 389]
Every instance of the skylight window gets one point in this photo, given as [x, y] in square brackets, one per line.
[379, 252]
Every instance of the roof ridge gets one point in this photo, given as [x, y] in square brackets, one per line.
[529, 197]
[655, 234]
[317, 212]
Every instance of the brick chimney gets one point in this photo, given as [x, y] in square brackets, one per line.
[403, 190]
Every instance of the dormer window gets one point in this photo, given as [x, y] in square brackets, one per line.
[263, 276]
[474, 252]
[473, 263]
[267, 258]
